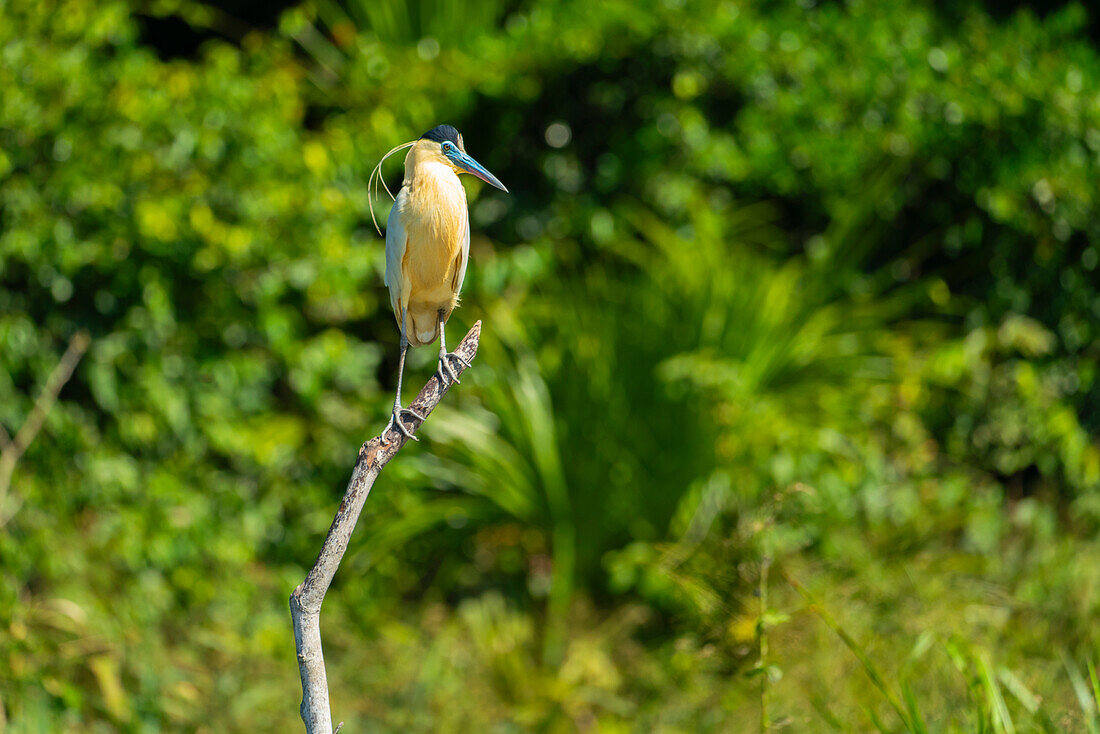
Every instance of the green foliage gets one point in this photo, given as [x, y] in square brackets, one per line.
[808, 289]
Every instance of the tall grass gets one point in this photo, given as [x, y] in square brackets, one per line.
[997, 699]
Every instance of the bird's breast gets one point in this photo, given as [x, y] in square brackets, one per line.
[436, 226]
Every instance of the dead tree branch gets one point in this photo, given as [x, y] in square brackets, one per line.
[305, 602]
[11, 449]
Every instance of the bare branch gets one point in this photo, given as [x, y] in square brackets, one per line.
[305, 602]
[12, 449]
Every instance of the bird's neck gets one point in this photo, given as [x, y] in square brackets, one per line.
[435, 197]
[422, 166]
[434, 184]
[431, 173]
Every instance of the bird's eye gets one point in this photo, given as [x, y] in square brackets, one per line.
[448, 147]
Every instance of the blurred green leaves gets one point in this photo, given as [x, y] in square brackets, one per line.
[809, 283]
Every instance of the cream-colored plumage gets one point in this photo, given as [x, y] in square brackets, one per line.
[428, 247]
[427, 244]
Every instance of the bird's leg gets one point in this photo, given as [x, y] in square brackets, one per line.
[398, 411]
[444, 370]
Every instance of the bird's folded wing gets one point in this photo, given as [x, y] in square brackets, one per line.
[463, 260]
[395, 248]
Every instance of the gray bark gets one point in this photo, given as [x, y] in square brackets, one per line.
[305, 602]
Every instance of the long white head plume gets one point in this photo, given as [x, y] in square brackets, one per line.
[377, 174]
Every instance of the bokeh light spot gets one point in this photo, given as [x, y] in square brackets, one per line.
[558, 134]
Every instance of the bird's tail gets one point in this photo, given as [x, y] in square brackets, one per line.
[423, 328]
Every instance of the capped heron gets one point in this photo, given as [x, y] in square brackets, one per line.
[427, 246]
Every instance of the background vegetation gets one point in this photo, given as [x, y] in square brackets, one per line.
[788, 404]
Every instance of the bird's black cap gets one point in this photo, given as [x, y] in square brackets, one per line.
[444, 132]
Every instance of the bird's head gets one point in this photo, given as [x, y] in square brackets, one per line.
[444, 143]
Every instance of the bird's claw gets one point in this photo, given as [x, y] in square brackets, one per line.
[395, 421]
[444, 370]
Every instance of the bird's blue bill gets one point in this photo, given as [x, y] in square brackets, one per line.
[471, 166]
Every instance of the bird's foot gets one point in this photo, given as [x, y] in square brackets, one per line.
[445, 370]
[396, 422]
